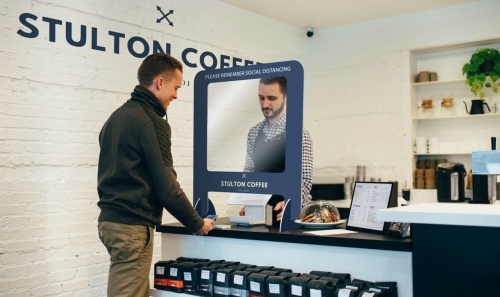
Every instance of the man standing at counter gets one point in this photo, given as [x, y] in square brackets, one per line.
[266, 141]
[136, 177]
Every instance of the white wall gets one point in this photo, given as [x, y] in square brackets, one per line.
[357, 87]
[54, 99]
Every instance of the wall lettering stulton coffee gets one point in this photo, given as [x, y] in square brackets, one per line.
[207, 60]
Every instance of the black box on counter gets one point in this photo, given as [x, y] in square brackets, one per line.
[320, 288]
[239, 283]
[277, 286]
[222, 282]
[257, 284]
[327, 192]
[161, 274]
[298, 286]
[206, 278]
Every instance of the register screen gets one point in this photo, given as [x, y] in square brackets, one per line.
[366, 200]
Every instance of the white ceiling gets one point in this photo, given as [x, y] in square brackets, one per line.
[329, 13]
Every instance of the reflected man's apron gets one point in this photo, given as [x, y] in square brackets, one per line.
[269, 156]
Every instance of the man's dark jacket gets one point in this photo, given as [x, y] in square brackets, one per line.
[136, 177]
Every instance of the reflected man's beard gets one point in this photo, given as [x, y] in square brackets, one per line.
[274, 113]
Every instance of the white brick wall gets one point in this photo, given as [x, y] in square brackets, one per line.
[54, 99]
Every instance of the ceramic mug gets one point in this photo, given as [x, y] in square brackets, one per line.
[423, 76]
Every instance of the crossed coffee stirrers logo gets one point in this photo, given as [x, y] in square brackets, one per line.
[164, 16]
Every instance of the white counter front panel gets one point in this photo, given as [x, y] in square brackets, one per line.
[367, 264]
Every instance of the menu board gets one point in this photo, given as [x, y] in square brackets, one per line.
[367, 198]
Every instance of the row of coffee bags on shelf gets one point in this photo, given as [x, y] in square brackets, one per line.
[220, 278]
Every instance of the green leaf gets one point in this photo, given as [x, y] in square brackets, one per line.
[477, 60]
[488, 85]
[481, 95]
[466, 68]
[494, 77]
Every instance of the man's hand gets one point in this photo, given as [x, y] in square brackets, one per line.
[242, 211]
[279, 206]
[207, 227]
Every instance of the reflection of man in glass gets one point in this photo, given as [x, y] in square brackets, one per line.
[266, 140]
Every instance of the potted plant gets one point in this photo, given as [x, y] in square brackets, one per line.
[483, 70]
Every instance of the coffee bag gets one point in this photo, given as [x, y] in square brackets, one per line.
[222, 282]
[239, 283]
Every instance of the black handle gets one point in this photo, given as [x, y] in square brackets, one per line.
[493, 143]
[466, 107]
[487, 106]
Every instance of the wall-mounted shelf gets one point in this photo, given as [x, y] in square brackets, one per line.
[438, 83]
[467, 116]
[443, 154]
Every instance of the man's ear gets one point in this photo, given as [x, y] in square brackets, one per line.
[158, 82]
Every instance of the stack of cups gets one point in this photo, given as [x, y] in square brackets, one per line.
[421, 145]
[433, 145]
[430, 178]
[360, 173]
[419, 178]
[348, 187]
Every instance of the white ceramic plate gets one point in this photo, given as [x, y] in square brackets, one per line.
[319, 225]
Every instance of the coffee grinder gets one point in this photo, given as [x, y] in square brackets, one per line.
[485, 168]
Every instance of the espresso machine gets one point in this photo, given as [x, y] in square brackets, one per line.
[485, 168]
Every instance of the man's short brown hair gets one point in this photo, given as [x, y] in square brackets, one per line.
[281, 80]
[157, 64]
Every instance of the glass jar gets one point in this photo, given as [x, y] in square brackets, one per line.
[427, 110]
[447, 106]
